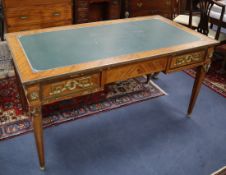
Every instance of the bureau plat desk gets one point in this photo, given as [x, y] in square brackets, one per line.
[55, 64]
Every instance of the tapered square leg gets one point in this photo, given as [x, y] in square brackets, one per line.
[36, 113]
[200, 75]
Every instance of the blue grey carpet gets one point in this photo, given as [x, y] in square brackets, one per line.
[148, 138]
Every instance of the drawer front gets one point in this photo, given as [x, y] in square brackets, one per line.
[41, 14]
[149, 5]
[58, 12]
[135, 70]
[23, 3]
[150, 12]
[71, 87]
[38, 26]
[115, 9]
[21, 16]
[187, 59]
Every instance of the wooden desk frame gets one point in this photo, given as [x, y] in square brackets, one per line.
[39, 88]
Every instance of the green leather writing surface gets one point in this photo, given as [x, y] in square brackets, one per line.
[51, 50]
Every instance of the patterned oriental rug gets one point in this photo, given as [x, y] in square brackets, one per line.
[213, 79]
[14, 121]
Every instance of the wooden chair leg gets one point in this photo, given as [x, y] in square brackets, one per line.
[211, 25]
[218, 33]
[223, 67]
[2, 31]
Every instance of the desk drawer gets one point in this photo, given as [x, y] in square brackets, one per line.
[187, 59]
[40, 14]
[72, 87]
[135, 70]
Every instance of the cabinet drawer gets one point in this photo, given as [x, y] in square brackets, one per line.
[187, 59]
[135, 70]
[149, 4]
[150, 12]
[71, 87]
[40, 14]
[58, 12]
[24, 3]
[21, 16]
[38, 26]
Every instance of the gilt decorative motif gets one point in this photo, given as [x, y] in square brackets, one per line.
[210, 53]
[33, 96]
[206, 67]
[71, 85]
[35, 111]
[189, 58]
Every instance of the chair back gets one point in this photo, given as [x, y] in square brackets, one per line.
[205, 7]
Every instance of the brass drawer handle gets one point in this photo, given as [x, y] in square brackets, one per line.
[56, 14]
[139, 4]
[115, 2]
[23, 17]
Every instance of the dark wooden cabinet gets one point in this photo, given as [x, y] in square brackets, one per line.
[166, 8]
[96, 10]
[36, 14]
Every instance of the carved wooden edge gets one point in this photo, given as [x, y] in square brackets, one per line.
[24, 68]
